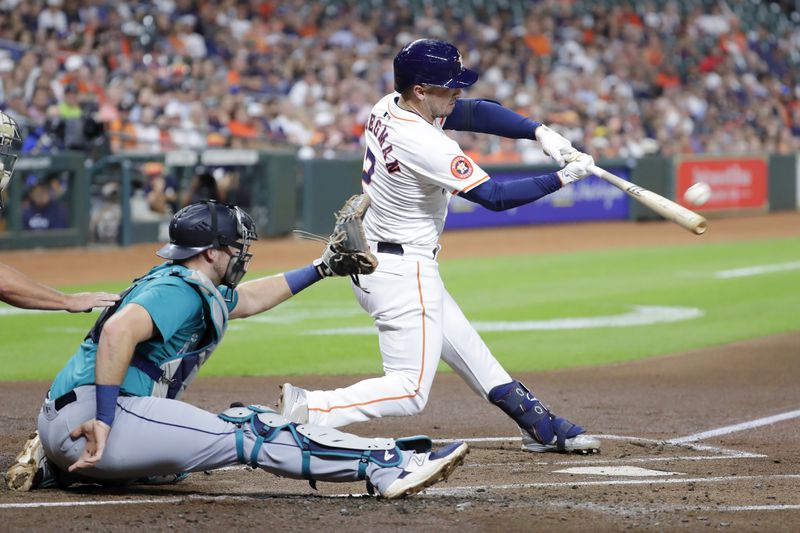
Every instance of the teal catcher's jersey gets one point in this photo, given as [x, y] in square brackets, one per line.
[177, 310]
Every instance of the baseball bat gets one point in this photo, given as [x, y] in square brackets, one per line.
[666, 208]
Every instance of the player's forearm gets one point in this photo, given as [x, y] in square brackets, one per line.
[485, 116]
[260, 295]
[19, 290]
[499, 196]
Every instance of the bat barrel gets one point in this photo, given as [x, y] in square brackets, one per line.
[667, 208]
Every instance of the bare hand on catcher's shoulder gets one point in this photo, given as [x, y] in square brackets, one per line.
[577, 168]
[86, 301]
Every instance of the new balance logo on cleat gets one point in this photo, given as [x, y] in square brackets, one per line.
[426, 469]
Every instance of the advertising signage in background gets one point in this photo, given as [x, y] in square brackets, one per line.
[736, 182]
[587, 199]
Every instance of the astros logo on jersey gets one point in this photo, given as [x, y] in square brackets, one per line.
[461, 167]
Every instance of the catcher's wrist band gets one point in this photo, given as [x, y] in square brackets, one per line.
[106, 398]
[301, 278]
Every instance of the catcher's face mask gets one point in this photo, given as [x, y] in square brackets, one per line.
[10, 145]
[238, 263]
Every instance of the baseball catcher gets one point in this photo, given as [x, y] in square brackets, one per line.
[114, 411]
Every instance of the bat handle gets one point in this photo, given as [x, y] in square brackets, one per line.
[597, 171]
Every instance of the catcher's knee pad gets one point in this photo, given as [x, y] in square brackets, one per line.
[531, 415]
[262, 421]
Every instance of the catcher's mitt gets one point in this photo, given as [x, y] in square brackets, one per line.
[347, 252]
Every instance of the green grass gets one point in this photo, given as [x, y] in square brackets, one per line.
[586, 284]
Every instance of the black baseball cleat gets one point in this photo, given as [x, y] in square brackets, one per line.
[31, 469]
[426, 469]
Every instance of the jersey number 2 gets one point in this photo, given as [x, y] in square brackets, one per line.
[369, 167]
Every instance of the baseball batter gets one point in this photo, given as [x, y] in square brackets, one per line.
[411, 170]
[114, 413]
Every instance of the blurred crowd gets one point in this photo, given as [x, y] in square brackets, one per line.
[619, 78]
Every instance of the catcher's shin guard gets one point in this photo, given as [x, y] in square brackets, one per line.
[318, 441]
[545, 432]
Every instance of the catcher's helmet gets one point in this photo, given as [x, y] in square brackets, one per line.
[10, 146]
[210, 224]
[431, 62]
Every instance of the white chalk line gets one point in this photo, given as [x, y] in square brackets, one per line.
[756, 270]
[449, 491]
[723, 452]
[456, 491]
[736, 427]
[32, 505]
[686, 442]
[623, 460]
[640, 509]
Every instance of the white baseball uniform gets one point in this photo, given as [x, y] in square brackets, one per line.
[411, 169]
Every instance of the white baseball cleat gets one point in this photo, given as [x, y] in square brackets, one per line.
[293, 404]
[31, 469]
[582, 444]
[426, 469]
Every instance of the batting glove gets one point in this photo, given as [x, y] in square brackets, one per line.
[554, 145]
[577, 167]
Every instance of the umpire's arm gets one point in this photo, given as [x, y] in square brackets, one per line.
[19, 290]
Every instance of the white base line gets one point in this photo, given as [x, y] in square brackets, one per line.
[724, 452]
[624, 460]
[454, 491]
[736, 427]
[85, 503]
[777, 507]
[565, 484]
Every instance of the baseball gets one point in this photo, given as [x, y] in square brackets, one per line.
[697, 194]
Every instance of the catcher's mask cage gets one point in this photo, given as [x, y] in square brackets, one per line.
[210, 224]
[431, 62]
[10, 146]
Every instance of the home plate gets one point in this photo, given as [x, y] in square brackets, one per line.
[632, 471]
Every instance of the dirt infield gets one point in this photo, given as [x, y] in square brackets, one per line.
[657, 414]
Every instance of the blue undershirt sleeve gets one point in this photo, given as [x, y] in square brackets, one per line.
[486, 116]
[499, 196]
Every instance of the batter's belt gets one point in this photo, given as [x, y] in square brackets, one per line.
[427, 252]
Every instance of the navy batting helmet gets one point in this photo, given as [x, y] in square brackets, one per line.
[431, 62]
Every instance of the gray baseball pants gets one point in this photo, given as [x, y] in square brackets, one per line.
[158, 436]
